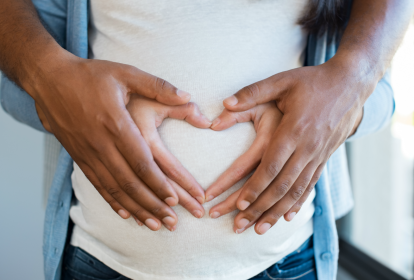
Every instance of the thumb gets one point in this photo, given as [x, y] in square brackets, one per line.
[228, 119]
[150, 86]
[190, 113]
[258, 93]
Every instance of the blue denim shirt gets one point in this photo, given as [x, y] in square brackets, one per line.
[67, 21]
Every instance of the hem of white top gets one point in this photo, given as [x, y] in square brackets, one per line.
[300, 238]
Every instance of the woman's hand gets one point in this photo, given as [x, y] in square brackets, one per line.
[266, 118]
[321, 106]
[148, 115]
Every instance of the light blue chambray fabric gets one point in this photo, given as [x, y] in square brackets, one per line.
[67, 21]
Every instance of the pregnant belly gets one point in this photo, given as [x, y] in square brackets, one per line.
[205, 153]
[196, 242]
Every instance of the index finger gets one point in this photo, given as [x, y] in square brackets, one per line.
[258, 93]
[150, 86]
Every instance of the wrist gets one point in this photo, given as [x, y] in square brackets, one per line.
[359, 66]
[41, 69]
[355, 74]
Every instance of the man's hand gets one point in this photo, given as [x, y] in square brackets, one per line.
[148, 115]
[322, 106]
[84, 102]
[320, 111]
[266, 118]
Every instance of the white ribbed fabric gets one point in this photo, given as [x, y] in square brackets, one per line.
[211, 49]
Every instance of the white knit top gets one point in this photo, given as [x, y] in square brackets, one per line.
[211, 49]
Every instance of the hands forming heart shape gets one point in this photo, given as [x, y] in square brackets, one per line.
[148, 116]
[111, 133]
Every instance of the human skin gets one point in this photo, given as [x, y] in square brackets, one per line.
[148, 115]
[85, 102]
[321, 106]
[39, 64]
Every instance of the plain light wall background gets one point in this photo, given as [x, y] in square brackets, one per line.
[21, 208]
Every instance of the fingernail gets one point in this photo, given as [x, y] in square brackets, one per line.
[240, 230]
[243, 223]
[200, 199]
[243, 205]
[151, 224]
[183, 94]
[209, 198]
[170, 228]
[138, 222]
[122, 213]
[263, 228]
[198, 213]
[171, 201]
[214, 215]
[215, 123]
[232, 100]
[292, 215]
[168, 220]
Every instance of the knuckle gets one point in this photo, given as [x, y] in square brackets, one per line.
[141, 169]
[296, 169]
[275, 216]
[186, 204]
[159, 83]
[251, 194]
[306, 179]
[281, 189]
[297, 193]
[129, 188]
[173, 173]
[314, 145]
[156, 210]
[138, 212]
[273, 169]
[254, 214]
[299, 130]
[238, 173]
[252, 90]
[114, 192]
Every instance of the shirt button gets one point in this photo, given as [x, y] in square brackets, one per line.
[318, 210]
[326, 256]
[56, 250]
[61, 204]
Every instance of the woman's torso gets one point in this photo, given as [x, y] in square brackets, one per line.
[210, 49]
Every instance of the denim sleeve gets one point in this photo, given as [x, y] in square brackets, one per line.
[19, 104]
[378, 109]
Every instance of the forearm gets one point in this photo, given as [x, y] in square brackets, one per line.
[26, 48]
[374, 32]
